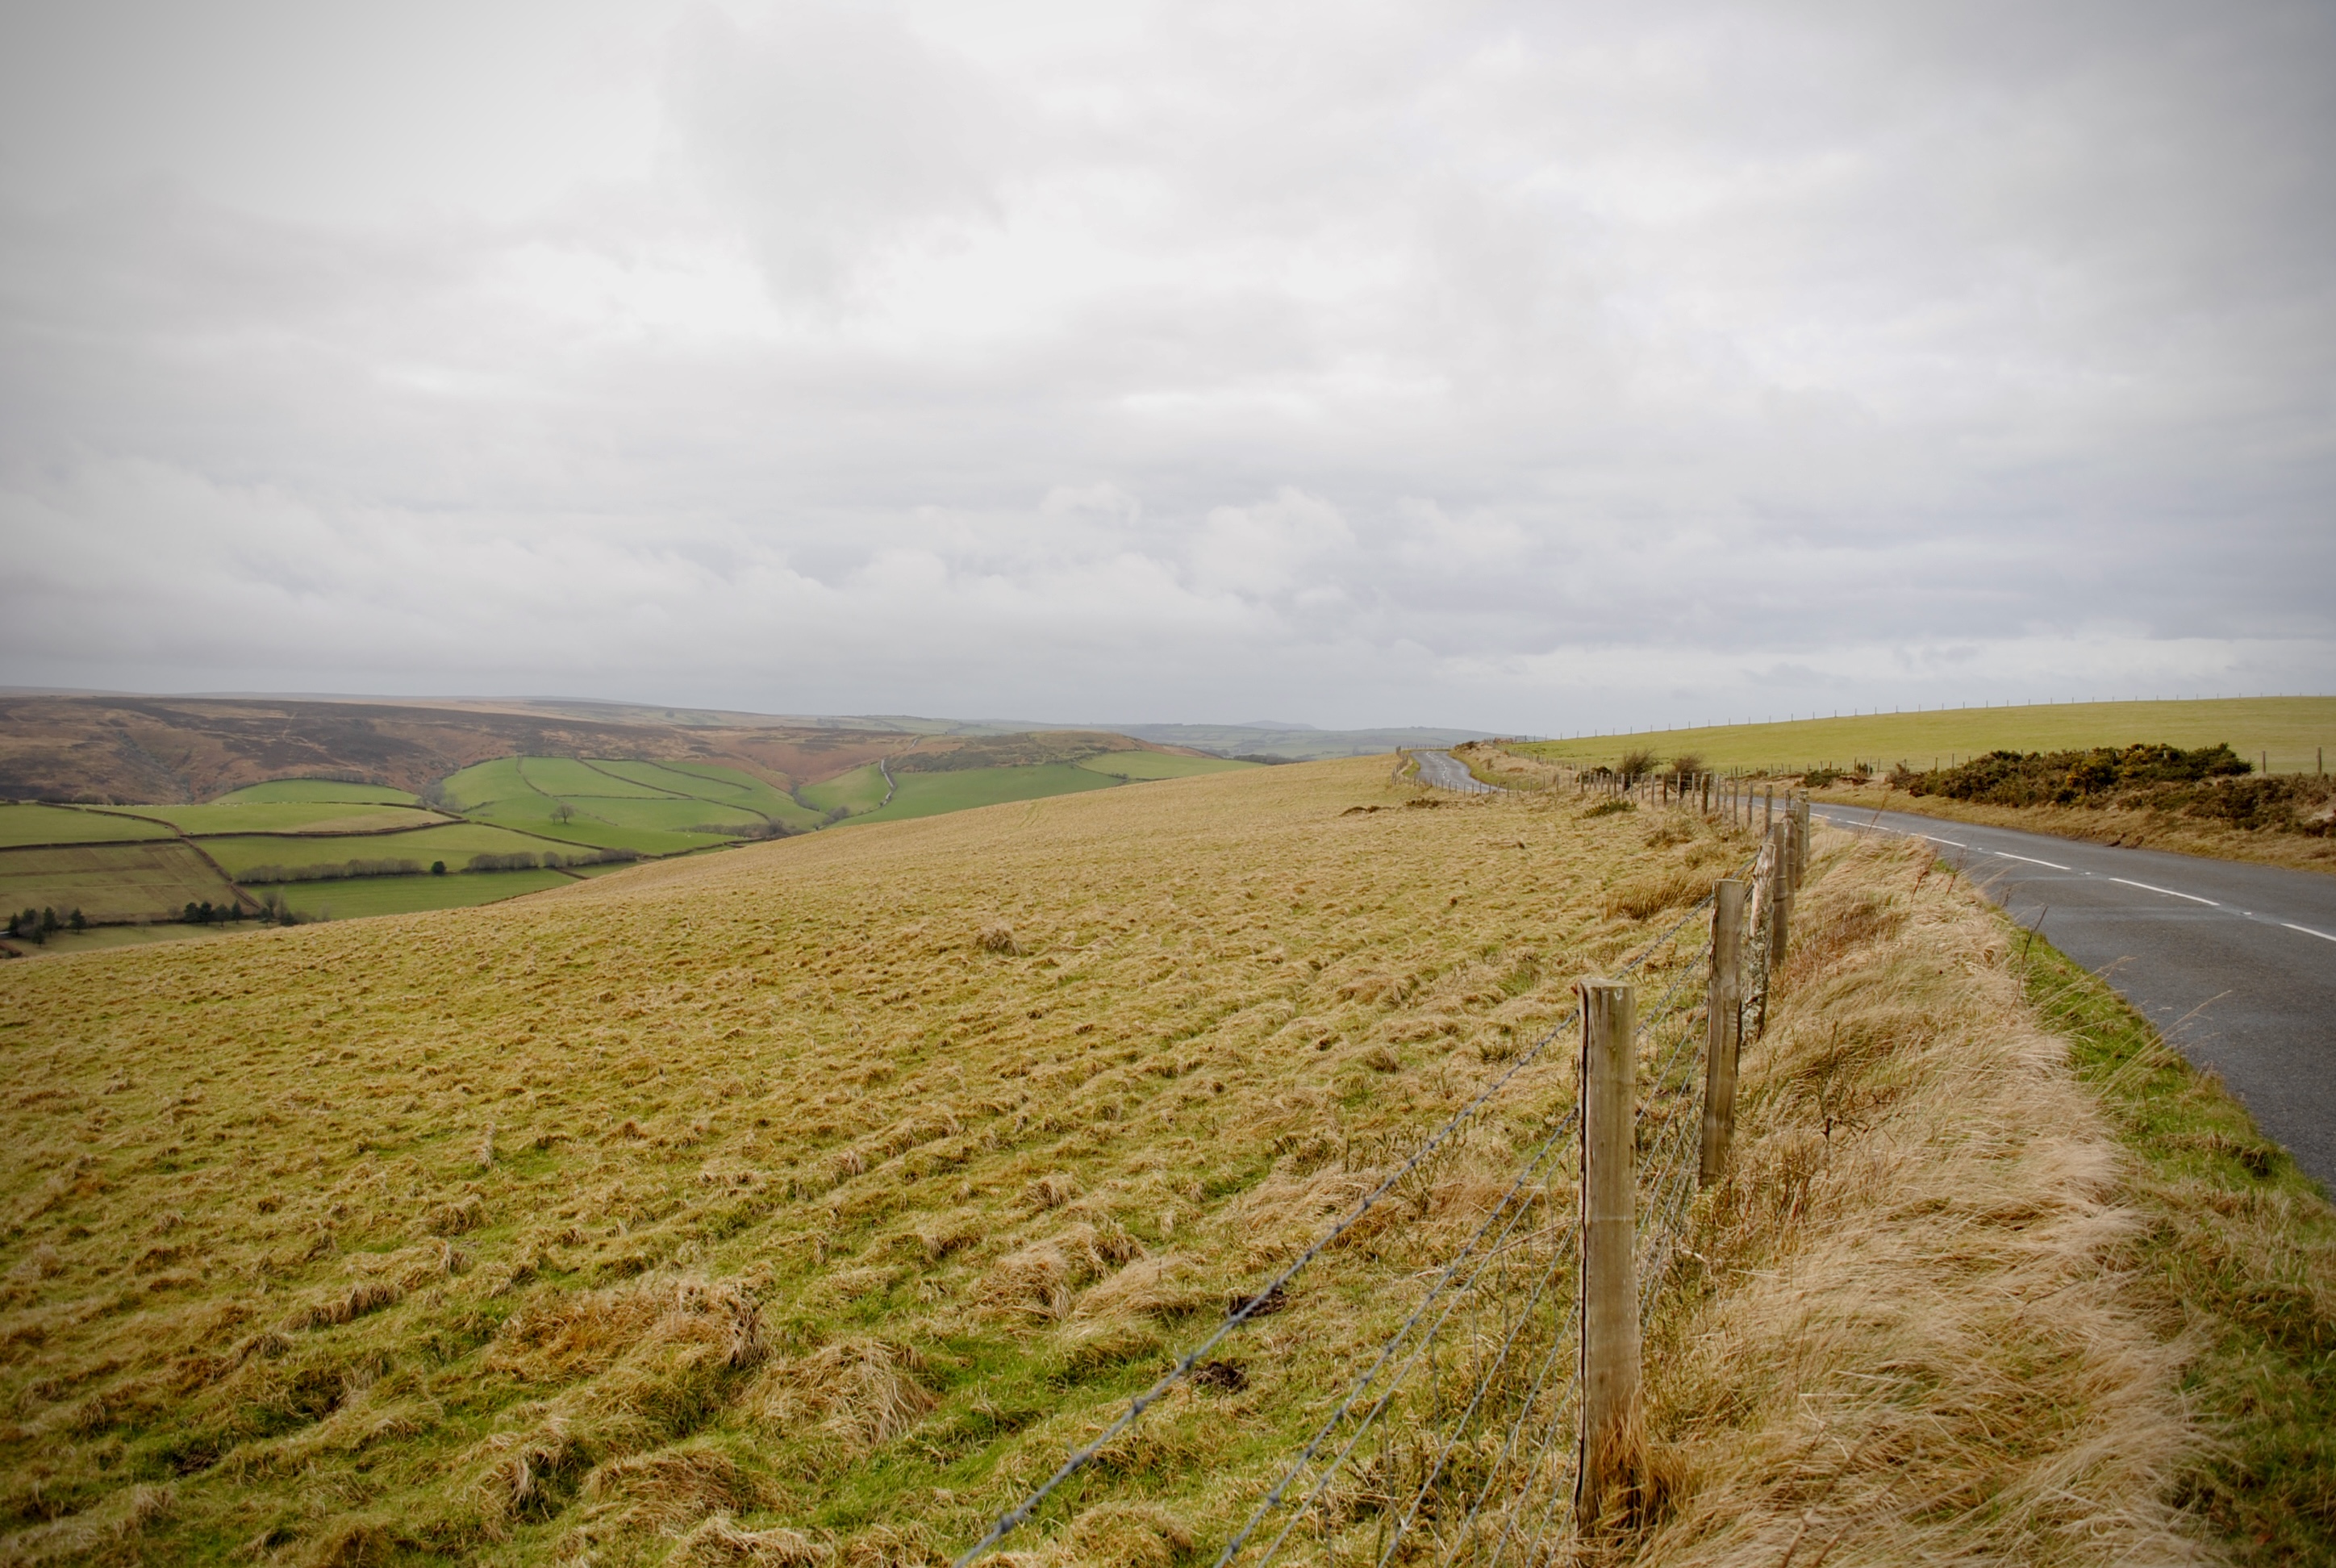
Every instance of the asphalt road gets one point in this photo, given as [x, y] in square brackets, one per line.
[2235, 963]
[1443, 771]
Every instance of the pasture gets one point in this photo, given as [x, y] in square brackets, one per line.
[26, 822]
[653, 808]
[111, 882]
[313, 789]
[924, 795]
[2294, 731]
[255, 858]
[292, 816]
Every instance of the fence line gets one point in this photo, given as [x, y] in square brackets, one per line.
[1453, 1426]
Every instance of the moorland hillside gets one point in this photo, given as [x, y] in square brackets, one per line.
[806, 1202]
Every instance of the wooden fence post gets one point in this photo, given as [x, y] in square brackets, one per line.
[1724, 1026]
[1780, 895]
[1800, 841]
[1612, 1439]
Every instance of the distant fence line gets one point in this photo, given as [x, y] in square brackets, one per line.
[1503, 1411]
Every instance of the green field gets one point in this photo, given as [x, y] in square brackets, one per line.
[317, 789]
[455, 843]
[653, 808]
[858, 791]
[1133, 765]
[2293, 729]
[360, 896]
[925, 795]
[223, 817]
[38, 824]
[110, 883]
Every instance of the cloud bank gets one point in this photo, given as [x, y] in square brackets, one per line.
[1529, 368]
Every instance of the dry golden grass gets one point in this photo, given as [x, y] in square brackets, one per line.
[806, 1203]
[1915, 1339]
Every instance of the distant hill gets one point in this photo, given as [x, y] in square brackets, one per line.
[119, 749]
[1298, 742]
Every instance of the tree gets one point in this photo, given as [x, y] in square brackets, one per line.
[437, 868]
[76, 923]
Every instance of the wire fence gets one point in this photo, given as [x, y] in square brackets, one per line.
[1459, 1438]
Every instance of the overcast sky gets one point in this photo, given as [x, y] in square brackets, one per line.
[1528, 367]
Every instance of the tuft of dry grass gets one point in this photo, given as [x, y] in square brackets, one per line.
[1910, 1334]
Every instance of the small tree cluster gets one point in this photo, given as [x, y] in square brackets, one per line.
[36, 925]
[207, 913]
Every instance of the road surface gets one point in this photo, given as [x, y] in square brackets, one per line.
[1443, 771]
[2237, 963]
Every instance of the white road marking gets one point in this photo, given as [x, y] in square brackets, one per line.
[2308, 932]
[2169, 893]
[2031, 859]
[1948, 842]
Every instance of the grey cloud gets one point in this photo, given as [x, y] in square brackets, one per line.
[1510, 366]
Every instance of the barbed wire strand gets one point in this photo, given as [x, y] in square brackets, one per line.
[1388, 1349]
[1080, 1458]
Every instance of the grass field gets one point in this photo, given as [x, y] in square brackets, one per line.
[860, 791]
[455, 843]
[101, 939]
[224, 817]
[27, 823]
[313, 789]
[650, 807]
[351, 898]
[838, 1185]
[2294, 730]
[924, 795]
[136, 881]
[1132, 766]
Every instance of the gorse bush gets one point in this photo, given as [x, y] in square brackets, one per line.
[2209, 782]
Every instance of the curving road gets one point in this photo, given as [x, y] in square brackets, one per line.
[1442, 770]
[2237, 963]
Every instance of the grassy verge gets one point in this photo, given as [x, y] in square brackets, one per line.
[2240, 1247]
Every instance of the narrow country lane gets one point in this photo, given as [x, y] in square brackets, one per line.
[2236, 962]
[1442, 770]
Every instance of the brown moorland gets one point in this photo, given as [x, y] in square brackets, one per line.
[132, 749]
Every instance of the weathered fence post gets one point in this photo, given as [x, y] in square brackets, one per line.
[1768, 810]
[1800, 841]
[1780, 894]
[1611, 1435]
[1724, 1026]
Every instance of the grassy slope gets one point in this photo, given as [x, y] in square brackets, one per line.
[455, 843]
[223, 817]
[311, 789]
[2240, 1247]
[860, 790]
[354, 897]
[638, 806]
[924, 795]
[42, 824]
[1154, 764]
[2289, 728]
[754, 1185]
[774, 1070]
